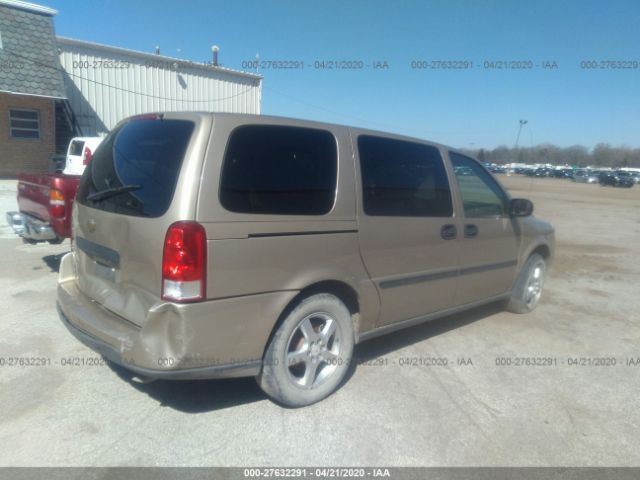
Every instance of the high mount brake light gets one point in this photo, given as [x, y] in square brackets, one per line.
[86, 156]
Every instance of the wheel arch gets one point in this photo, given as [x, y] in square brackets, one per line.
[543, 250]
[346, 293]
[543, 247]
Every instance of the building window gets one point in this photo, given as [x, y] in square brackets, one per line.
[24, 124]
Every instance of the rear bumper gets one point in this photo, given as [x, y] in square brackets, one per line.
[214, 339]
[30, 227]
[246, 369]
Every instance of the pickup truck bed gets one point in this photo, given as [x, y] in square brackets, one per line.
[45, 203]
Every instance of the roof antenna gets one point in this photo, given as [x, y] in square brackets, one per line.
[157, 49]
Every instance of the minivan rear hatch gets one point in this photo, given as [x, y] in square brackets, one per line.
[139, 182]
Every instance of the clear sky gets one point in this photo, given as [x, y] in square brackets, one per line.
[468, 108]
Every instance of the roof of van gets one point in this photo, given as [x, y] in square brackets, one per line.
[259, 118]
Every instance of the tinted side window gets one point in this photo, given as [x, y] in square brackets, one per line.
[481, 194]
[144, 157]
[403, 179]
[279, 170]
[76, 148]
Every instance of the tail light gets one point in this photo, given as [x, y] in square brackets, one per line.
[56, 203]
[86, 156]
[184, 263]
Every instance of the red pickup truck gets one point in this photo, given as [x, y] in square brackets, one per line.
[45, 200]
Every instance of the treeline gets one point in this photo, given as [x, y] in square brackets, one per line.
[602, 155]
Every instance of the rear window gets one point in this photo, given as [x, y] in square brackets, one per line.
[135, 170]
[279, 170]
[76, 148]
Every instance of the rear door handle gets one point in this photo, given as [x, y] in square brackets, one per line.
[448, 232]
[470, 231]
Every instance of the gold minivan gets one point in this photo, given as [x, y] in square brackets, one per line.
[226, 245]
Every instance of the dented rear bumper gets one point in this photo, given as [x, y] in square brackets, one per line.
[213, 339]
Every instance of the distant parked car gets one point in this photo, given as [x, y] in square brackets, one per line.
[585, 176]
[635, 176]
[79, 154]
[541, 172]
[463, 171]
[616, 179]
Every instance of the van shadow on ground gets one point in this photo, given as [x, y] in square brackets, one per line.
[53, 261]
[197, 396]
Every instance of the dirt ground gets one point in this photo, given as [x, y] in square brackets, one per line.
[579, 407]
[597, 267]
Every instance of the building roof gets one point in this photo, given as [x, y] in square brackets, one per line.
[30, 7]
[62, 41]
[29, 61]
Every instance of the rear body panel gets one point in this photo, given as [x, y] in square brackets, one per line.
[202, 340]
[132, 287]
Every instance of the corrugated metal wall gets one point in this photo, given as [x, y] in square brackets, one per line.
[106, 84]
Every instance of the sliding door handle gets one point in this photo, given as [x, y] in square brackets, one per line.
[470, 231]
[449, 231]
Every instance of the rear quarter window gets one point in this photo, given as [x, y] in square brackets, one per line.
[279, 170]
[145, 155]
[75, 148]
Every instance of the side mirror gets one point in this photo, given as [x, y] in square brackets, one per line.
[520, 207]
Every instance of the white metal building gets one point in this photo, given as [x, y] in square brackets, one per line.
[105, 84]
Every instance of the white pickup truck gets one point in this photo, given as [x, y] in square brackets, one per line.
[79, 154]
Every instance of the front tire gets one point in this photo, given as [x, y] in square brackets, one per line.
[309, 353]
[527, 290]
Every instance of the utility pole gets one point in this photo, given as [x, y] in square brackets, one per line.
[522, 124]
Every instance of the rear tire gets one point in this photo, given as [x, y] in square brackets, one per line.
[527, 290]
[309, 353]
[56, 241]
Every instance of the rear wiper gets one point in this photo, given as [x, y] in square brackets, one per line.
[110, 192]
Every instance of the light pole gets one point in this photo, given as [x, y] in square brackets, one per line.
[522, 124]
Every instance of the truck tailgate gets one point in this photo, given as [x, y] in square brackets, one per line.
[34, 190]
[33, 194]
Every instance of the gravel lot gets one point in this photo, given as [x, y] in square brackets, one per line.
[386, 414]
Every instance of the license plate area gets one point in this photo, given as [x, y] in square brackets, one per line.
[103, 271]
[100, 254]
